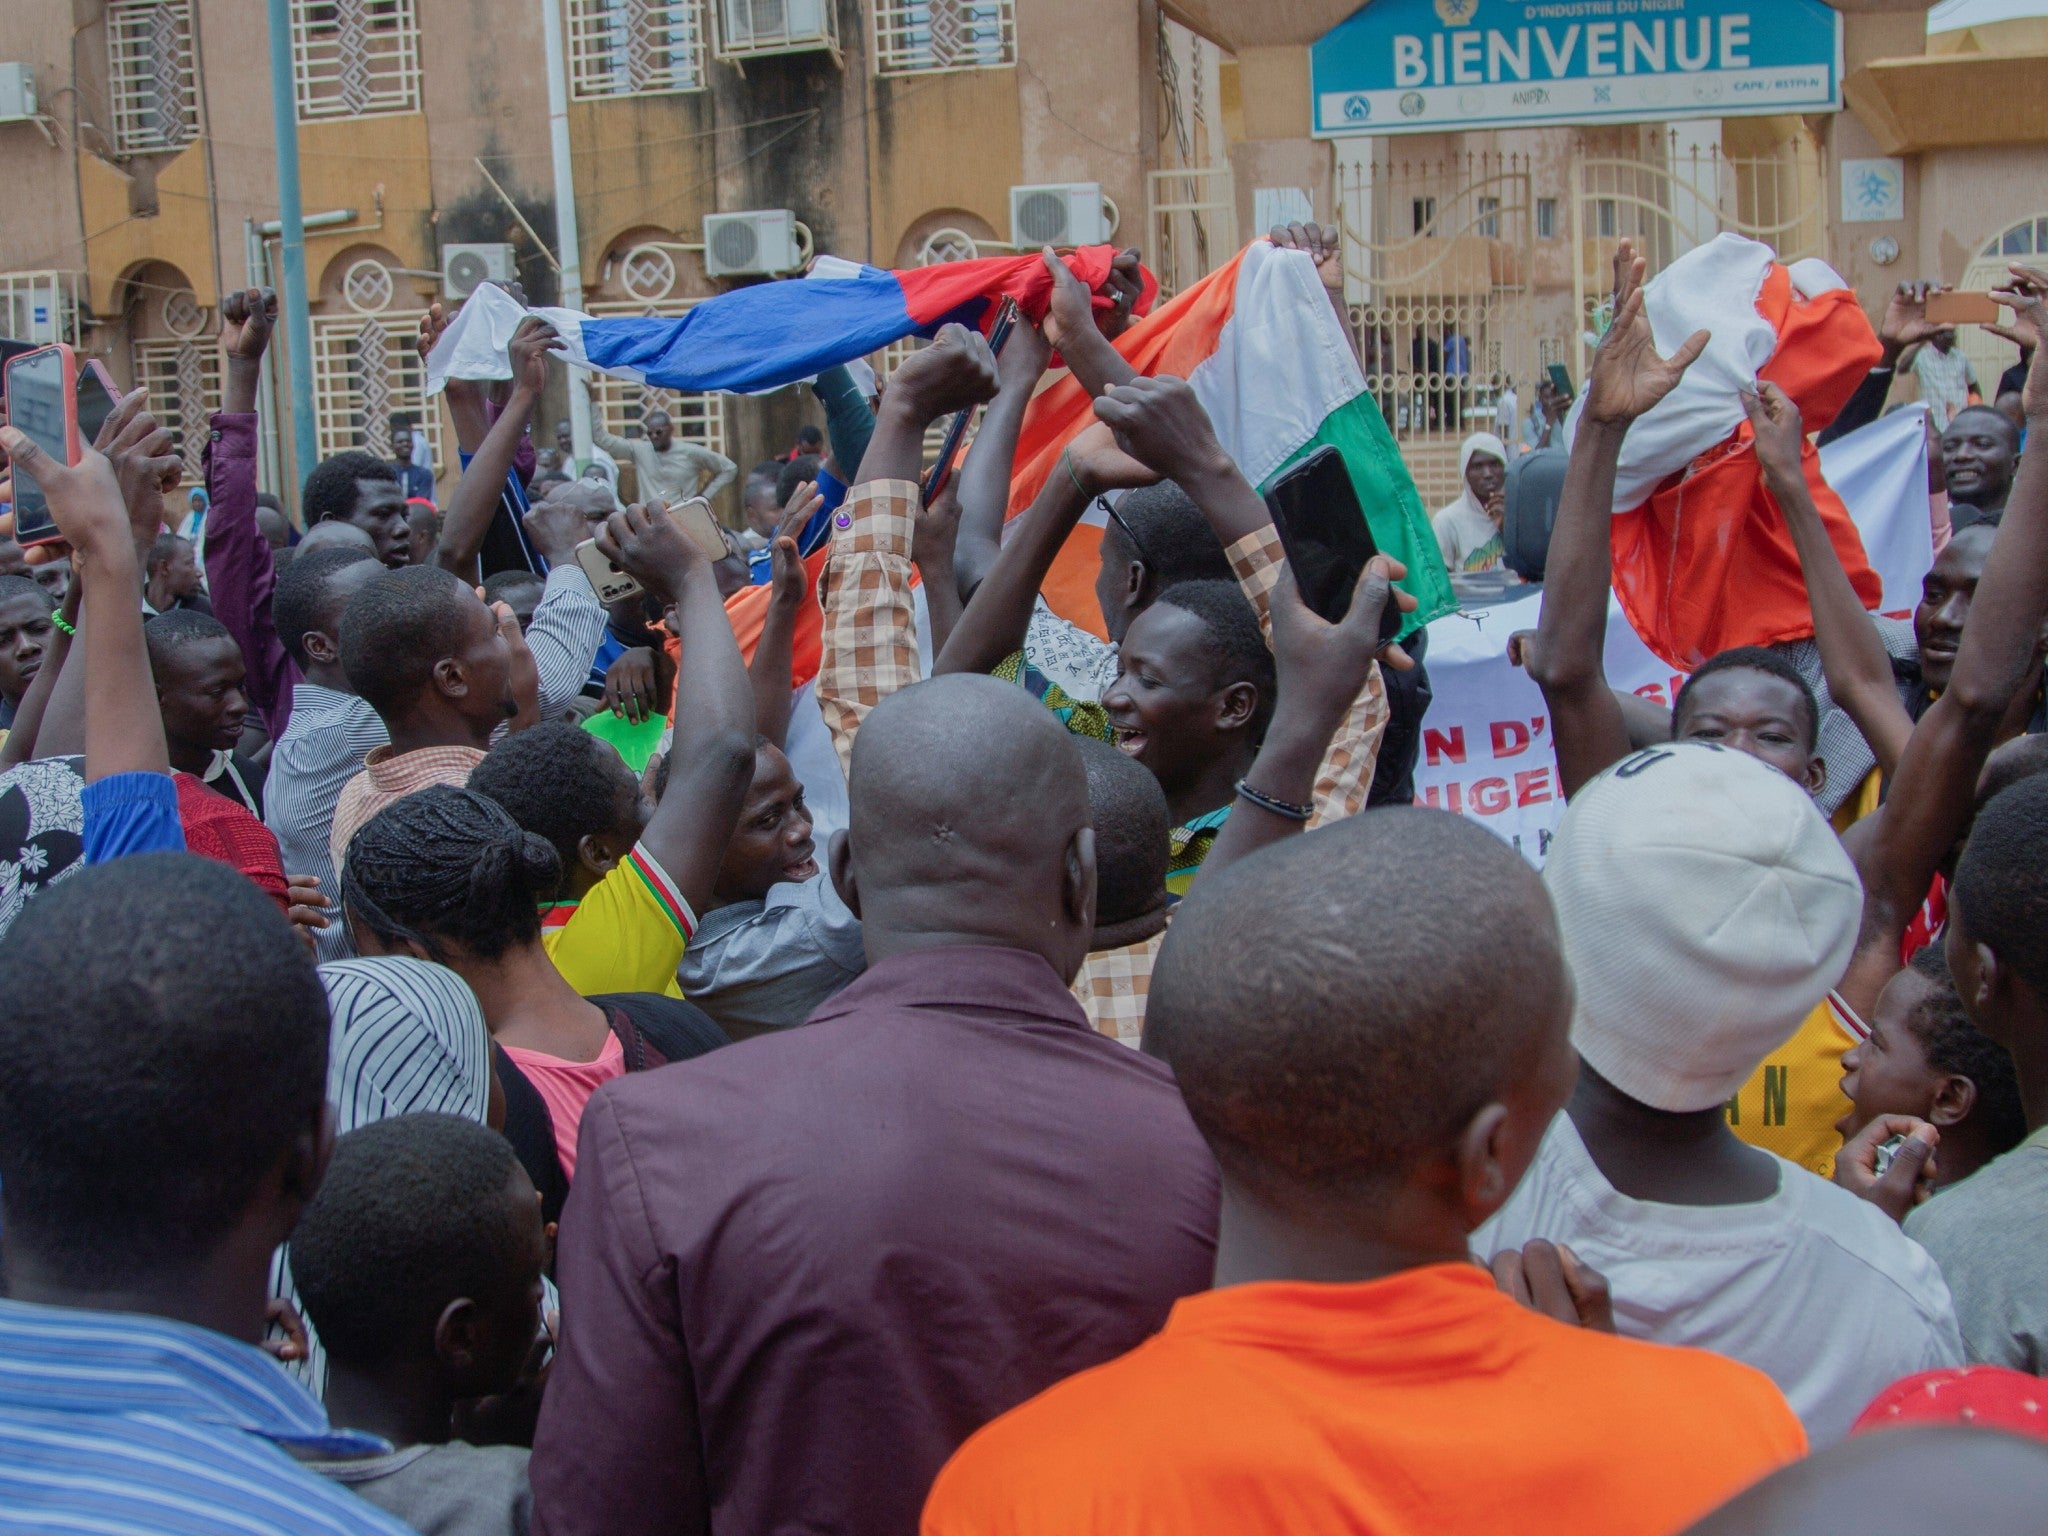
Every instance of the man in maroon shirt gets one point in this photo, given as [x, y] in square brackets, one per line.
[800, 1271]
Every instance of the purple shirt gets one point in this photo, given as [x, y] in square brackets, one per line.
[799, 1272]
[241, 576]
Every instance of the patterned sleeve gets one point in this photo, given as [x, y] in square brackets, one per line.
[869, 646]
[1078, 715]
[1346, 774]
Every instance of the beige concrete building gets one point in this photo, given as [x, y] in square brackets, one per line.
[900, 131]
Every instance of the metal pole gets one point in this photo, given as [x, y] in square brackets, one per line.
[284, 123]
[568, 252]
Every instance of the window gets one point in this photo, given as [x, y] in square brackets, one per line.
[927, 36]
[750, 27]
[150, 77]
[1606, 217]
[355, 58]
[1488, 223]
[1425, 215]
[1546, 218]
[2029, 237]
[635, 47]
[364, 369]
[183, 383]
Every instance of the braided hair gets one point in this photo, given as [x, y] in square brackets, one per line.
[448, 866]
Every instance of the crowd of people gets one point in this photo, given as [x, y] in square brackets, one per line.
[445, 1085]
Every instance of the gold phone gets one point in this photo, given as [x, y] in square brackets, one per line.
[694, 518]
[610, 582]
[1962, 309]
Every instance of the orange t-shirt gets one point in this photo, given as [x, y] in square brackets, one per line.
[1426, 1402]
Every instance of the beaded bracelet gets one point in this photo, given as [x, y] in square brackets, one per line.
[1277, 807]
[57, 618]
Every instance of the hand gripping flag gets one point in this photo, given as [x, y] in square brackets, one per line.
[1702, 558]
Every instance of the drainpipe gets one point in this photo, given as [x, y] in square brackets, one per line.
[284, 120]
[567, 250]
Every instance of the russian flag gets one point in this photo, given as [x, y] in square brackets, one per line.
[770, 334]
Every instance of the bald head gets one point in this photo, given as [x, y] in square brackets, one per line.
[1324, 1032]
[968, 823]
[595, 499]
[1933, 1479]
[335, 534]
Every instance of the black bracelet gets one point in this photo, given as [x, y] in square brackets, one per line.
[1277, 807]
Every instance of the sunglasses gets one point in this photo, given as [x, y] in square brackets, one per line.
[1137, 544]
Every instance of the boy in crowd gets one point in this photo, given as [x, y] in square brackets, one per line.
[171, 578]
[1353, 1370]
[419, 1263]
[146, 1175]
[25, 631]
[1990, 1232]
[361, 489]
[199, 672]
[1706, 906]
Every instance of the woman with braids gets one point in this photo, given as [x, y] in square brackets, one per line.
[446, 875]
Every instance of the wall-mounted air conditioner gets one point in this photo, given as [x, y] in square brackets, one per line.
[747, 27]
[465, 268]
[751, 244]
[1070, 213]
[17, 93]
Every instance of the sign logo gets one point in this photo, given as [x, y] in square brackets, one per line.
[1456, 13]
[1412, 104]
[1356, 108]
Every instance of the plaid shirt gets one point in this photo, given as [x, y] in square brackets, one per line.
[869, 646]
[1113, 985]
[387, 778]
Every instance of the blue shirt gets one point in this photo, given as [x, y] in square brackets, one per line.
[128, 813]
[116, 1423]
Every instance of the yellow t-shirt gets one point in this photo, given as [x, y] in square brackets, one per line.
[627, 934]
[1791, 1104]
[1863, 799]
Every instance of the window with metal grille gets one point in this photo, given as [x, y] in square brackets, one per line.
[355, 58]
[620, 405]
[749, 27]
[1546, 218]
[929, 36]
[635, 47]
[364, 370]
[151, 86]
[182, 378]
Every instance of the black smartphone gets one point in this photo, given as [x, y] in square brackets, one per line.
[1324, 532]
[97, 398]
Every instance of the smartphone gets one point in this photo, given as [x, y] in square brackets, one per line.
[1886, 1151]
[1324, 533]
[42, 402]
[610, 582]
[1962, 309]
[1560, 380]
[97, 398]
[692, 516]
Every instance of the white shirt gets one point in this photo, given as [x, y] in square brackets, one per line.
[1814, 1287]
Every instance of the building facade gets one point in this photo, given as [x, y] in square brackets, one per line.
[898, 132]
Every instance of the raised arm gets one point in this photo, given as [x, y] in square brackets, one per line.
[1322, 669]
[477, 495]
[241, 575]
[1325, 246]
[1858, 669]
[1933, 793]
[20, 745]
[124, 730]
[712, 760]
[618, 447]
[771, 672]
[991, 629]
[1626, 380]
[1904, 325]
[869, 644]
[848, 420]
[984, 479]
[1072, 326]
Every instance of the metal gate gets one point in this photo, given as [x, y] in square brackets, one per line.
[1678, 194]
[1439, 260]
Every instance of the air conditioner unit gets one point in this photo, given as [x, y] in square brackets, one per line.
[774, 26]
[17, 92]
[465, 268]
[751, 244]
[1070, 213]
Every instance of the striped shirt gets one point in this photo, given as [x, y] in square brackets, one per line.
[324, 747]
[126, 1425]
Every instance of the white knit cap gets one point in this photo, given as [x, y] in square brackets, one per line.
[1706, 908]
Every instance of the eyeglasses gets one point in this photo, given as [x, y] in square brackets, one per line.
[1137, 544]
